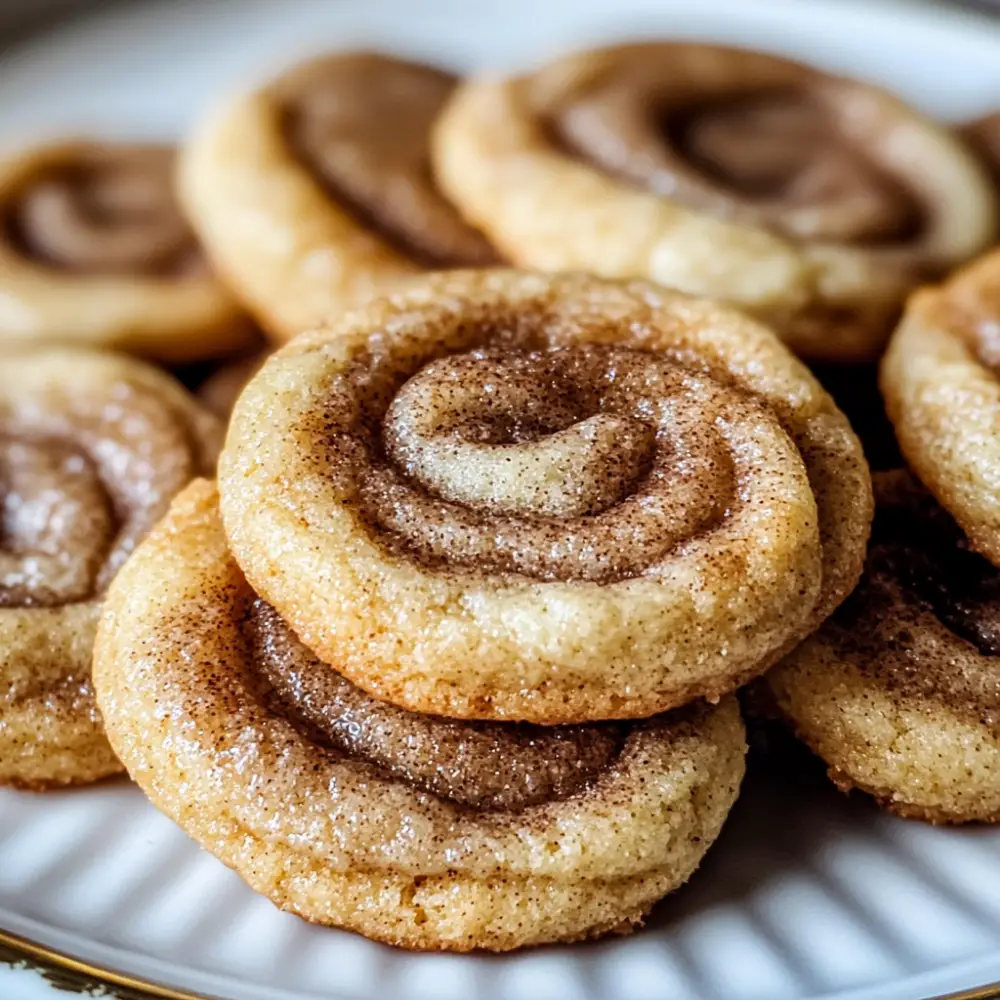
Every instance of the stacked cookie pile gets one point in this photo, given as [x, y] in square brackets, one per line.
[447, 651]
[502, 498]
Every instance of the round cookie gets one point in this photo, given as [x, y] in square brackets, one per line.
[315, 190]
[416, 831]
[92, 449]
[94, 252]
[814, 202]
[940, 385]
[899, 692]
[548, 498]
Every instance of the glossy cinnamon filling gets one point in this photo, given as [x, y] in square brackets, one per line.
[112, 211]
[776, 157]
[483, 765]
[361, 124]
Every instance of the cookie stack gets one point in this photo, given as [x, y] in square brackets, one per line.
[462, 538]
[447, 654]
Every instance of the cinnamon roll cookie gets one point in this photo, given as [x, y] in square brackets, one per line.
[92, 449]
[814, 202]
[546, 498]
[939, 379]
[316, 190]
[414, 830]
[899, 692]
[94, 252]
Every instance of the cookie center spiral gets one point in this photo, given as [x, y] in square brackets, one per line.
[362, 125]
[482, 765]
[111, 211]
[572, 463]
[777, 157]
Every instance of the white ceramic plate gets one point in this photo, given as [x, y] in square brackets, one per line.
[807, 894]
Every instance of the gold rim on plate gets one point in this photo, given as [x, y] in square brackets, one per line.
[73, 974]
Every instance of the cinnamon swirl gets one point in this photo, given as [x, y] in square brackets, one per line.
[92, 449]
[812, 201]
[899, 692]
[418, 831]
[94, 252]
[547, 498]
[316, 190]
[939, 379]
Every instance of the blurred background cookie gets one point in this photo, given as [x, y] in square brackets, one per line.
[315, 191]
[983, 135]
[815, 202]
[94, 252]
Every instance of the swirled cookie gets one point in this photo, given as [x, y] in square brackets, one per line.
[316, 190]
[549, 498]
[899, 692]
[92, 449]
[939, 380]
[812, 201]
[418, 831]
[94, 252]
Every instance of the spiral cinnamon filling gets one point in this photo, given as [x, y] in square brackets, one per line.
[109, 210]
[585, 462]
[482, 765]
[920, 562]
[361, 124]
[779, 156]
[82, 480]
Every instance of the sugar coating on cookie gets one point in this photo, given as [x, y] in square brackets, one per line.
[813, 201]
[939, 380]
[549, 498]
[92, 449]
[419, 831]
[899, 692]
